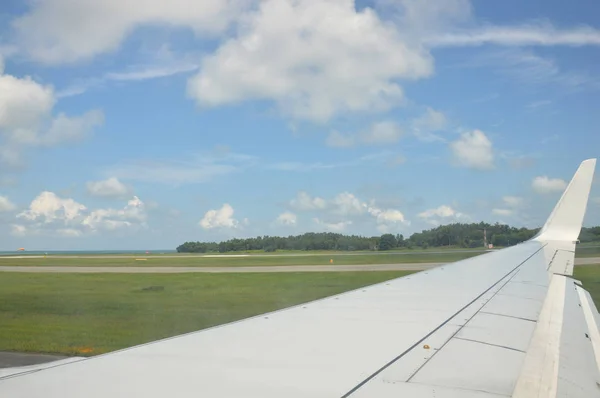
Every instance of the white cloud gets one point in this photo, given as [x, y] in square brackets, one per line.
[388, 220]
[346, 204]
[311, 64]
[543, 184]
[287, 218]
[542, 34]
[333, 227]
[26, 119]
[427, 124]
[134, 213]
[442, 211]
[23, 104]
[219, 218]
[512, 201]
[348, 208]
[151, 72]
[164, 64]
[5, 204]
[48, 207]
[64, 31]
[303, 201]
[502, 212]
[473, 150]
[442, 214]
[109, 188]
[50, 214]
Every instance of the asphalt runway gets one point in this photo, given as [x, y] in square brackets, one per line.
[151, 255]
[275, 268]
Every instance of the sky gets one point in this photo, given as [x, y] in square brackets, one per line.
[144, 127]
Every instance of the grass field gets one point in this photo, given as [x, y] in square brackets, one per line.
[186, 261]
[588, 251]
[590, 277]
[94, 313]
[88, 314]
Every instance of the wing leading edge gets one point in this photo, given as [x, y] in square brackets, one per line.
[507, 323]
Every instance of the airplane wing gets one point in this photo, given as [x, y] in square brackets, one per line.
[509, 323]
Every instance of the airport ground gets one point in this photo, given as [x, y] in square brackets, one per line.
[89, 313]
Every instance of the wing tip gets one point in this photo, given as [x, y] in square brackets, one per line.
[566, 219]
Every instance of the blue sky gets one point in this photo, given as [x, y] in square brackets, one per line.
[142, 128]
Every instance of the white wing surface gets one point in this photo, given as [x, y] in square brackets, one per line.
[510, 323]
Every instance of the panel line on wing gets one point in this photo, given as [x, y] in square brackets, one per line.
[486, 343]
[508, 277]
[508, 316]
[365, 381]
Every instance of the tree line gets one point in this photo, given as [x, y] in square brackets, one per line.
[453, 235]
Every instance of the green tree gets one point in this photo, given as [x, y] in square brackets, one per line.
[387, 242]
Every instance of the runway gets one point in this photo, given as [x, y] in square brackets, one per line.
[154, 255]
[275, 268]
[178, 270]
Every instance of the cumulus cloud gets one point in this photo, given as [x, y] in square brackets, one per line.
[388, 220]
[5, 204]
[346, 204]
[473, 150]
[349, 209]
[110, 219]
[442, 211]
[543, 184]
[50, 214]
[26, 119]
[61, 31]
[441, 214]
[23, 104]
[312, 65]
[49, 207]
[219, 218]
[109, 188]
[332, 226]
[303, 201]
[286, 218]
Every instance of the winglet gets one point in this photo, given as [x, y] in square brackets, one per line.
[566, 219]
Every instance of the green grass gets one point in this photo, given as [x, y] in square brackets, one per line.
[589, 275]
[87, 314]
[186, 261]
[587, 251]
